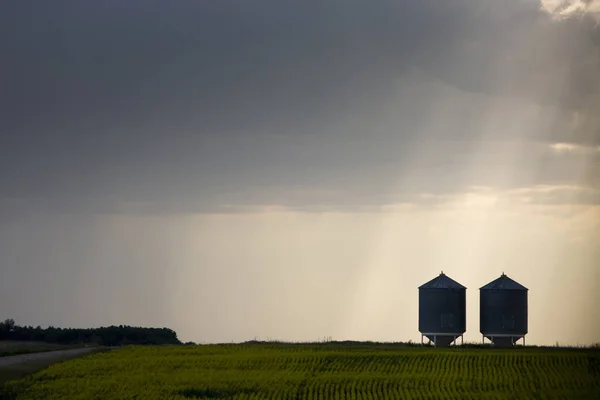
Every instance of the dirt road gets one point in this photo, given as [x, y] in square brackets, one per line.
[47, 355]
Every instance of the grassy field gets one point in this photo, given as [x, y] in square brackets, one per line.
[320, 371]
[25, 367]
[12, 348]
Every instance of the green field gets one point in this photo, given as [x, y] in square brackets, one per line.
[319, 371]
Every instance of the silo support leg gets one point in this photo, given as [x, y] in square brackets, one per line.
[434, 340]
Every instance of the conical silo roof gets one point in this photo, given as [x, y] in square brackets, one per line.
[442, 282]
[503, 283]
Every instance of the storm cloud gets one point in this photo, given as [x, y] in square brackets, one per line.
[232, 169]
[207, 106]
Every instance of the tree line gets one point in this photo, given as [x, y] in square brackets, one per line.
[106, 336]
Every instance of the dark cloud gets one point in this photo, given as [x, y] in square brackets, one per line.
[191, 105]
[270, 65]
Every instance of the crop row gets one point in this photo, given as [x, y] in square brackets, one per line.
[259, 372]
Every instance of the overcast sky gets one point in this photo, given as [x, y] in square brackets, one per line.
[293, 169]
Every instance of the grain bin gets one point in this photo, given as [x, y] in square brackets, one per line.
[442, 310]
[503, 311]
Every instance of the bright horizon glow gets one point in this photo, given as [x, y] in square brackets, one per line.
[571, 147]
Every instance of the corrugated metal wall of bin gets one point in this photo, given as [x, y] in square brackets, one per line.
[442, 310]
[503, 311]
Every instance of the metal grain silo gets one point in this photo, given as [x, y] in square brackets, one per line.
[503, 311]
[442, 310]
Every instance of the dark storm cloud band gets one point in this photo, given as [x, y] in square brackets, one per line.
[192, 104]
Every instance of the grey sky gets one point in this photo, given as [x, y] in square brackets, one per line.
[165, 110]
[131, 103]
